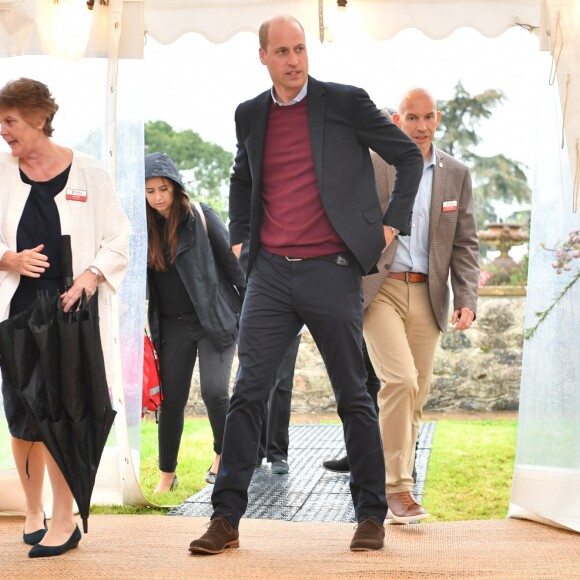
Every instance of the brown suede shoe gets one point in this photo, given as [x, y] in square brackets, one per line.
[369, 535]
[404, 508]
[219, 536]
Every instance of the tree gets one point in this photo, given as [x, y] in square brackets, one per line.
[205, 167]
[495, 178]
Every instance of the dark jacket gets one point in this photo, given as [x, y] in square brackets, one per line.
[211, 275]
[343, 123]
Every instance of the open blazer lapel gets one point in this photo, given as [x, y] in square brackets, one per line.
[258, 125]
[316, 109]
[437, 195]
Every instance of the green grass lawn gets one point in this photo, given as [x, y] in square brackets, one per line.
[470, 468]
[195, 457]
[468, 477]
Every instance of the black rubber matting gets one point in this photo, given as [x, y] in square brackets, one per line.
[308, 493]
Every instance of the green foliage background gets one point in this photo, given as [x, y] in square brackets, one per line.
[495, 178]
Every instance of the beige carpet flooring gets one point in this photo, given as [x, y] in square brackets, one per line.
[157, 547]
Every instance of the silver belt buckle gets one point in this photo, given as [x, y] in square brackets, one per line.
[293, 259]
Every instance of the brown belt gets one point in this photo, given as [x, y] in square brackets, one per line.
[408, 276]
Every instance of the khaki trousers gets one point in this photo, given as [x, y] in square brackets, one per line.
[401, 334]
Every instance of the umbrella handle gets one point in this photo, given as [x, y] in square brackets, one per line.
[66, 262]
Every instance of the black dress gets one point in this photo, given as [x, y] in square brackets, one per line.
[39, 224]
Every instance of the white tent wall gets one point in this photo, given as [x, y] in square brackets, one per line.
[26, 29]
[547, 470]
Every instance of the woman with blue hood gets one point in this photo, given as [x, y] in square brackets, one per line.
[195, 292]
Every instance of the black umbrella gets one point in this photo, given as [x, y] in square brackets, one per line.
[19, 356]
[54, 361]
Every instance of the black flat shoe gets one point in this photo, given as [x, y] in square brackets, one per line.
[337, 465]
[40, 551]
[34, 537]
[210, 476]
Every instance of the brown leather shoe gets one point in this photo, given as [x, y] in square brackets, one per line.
[219, 536]
[369, 535]
[404, 508]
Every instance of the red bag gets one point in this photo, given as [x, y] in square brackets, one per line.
[152, 393]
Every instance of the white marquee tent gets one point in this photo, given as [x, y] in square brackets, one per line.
[547, 470]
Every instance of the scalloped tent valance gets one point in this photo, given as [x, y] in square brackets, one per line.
[219, 20]
[29, 26]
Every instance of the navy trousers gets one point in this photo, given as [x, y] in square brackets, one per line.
[281, 296]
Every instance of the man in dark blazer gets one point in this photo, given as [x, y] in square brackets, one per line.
[303, 192]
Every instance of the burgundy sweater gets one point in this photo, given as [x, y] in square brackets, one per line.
[294, 222]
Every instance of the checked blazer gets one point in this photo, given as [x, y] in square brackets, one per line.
[453, 243]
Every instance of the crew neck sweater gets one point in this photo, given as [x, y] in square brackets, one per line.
[294, 221]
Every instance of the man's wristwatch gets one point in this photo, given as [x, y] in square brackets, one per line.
[96, 273]
[395, 231]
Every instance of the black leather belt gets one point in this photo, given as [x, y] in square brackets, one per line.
[342, 259]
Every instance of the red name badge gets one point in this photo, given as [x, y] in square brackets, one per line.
[76, 194]
[449, 205]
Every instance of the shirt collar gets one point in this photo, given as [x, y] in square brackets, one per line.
[297, 99]
[431, 162]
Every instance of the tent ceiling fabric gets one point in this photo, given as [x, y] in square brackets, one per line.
[219, 20]
[65, 28]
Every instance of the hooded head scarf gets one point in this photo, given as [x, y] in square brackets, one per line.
[161, 165]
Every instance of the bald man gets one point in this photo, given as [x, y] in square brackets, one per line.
[407, 303]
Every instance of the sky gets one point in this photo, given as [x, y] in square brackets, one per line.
[193, 84]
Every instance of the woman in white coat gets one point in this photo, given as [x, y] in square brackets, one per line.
[48, 190]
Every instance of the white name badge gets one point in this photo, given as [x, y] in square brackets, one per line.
[76, 194]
